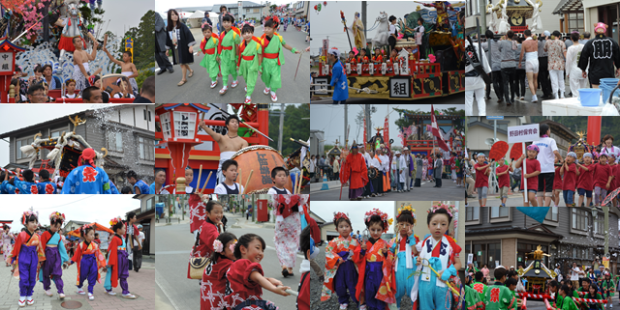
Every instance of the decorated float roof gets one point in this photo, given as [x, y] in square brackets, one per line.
[5, 41]
[519, 7]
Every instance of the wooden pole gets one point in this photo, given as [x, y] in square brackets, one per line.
[206, 182]
[199, 175]
[248, 181]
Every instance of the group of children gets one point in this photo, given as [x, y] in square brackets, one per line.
[374, 273]
[237, 51]
[230, 186]
[44, 258]
[234, 277]
[593, 177]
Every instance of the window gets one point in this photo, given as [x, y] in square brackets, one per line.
[575, 21]
[146, 147]
[149, 204]
[255, 11]
[552, 215]
[19, 143]
[497, 212]
[599, 226]
[472, 213]
[115, 141]
[579, 220]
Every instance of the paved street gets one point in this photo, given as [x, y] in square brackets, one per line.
[448, 191]
[173, 245]
[457, 99]
[519, 108]
[197, 88]
[140, 284]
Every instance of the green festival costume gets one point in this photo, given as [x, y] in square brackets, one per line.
[576, 295]
[209, 61]
[569, 304]
[472, 299]
[481, 288]
[227, 52]
[499, 297]
[248, 63]
[273, 60]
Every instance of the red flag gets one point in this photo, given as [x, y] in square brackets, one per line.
[364, 139]
[435, 131]
[386, 133]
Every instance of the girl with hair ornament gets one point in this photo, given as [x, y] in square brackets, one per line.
[90, 261]
[441, 253]
[402, 247]
[26, 257]
[341, 273]
[375, 262]
[55, 256]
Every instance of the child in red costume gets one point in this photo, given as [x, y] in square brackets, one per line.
[215, 284]
[247, 279]
[118, 262]
[209, 231]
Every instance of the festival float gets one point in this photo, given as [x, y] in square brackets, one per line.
[536, 273]
[33, 34]
[183, 144]
[415, 131]
[432, 66]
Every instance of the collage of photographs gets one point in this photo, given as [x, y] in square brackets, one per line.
[488, 119]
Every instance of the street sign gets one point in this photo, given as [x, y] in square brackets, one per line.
[525, 133]
[495, 117]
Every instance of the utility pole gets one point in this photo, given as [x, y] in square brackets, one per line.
[483, 16]
[346, 117]
[607, 232]
[364, 19]
[368, 123]
[281, 128]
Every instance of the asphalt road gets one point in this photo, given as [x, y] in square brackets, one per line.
[197, 87]
[448, 191]
[456, 99]
[173, 245]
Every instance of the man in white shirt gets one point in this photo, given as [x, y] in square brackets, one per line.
[546, 157]
[137, 249]
[385, 167]
[575, 272]
[406, 167]
[377, 163]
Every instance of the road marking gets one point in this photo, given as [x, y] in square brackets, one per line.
[272, 248]
[165, 293]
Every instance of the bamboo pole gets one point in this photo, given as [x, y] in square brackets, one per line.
[248, 181]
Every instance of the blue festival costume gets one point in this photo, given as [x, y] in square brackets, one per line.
[432, 292]
[55, 256]
[46, 188]
[144, 188]
[405, 265]
[87, 179]
[26, 187]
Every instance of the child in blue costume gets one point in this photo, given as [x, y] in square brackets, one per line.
[139, 186]
[45, 185]
[28, 185]
[402, 247]
[87, 178]
[442, 254]
[55, 256]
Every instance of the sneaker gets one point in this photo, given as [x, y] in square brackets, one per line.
[534, 99]
[30, 301]
[344, 306]
[22, 302]
[81, 291]
[266, 91]
[363, 307]
[522, 98]
[49, 292]
[111, 293]
[234, 84]
[62, 296]
[248, 100]
[223, 90]
[129, 296]
[91, 297]
[274, 98]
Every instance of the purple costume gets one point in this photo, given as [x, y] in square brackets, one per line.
[27, 252]
[56, 255]
[346, 278]
[118, 263]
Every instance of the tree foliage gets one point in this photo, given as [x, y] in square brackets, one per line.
[294, 127]
[143, 46]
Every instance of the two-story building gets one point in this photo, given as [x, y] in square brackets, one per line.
[146, 217]
[126, 131]
[249, 10]
[570, 235]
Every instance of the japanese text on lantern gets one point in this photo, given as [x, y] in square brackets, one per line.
[6, 62]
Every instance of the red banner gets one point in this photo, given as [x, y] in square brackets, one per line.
[386, 133]
[364, 138]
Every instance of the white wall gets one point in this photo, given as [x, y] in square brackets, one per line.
[127, 117]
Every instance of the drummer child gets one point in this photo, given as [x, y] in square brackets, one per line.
[229, 186]
[279, 176]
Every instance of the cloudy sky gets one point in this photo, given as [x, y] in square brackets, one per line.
[124, 14]
[330, 119]
[163, 5]
[86, 208]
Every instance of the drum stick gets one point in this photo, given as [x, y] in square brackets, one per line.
[240, 177]
[248, 181]
[199, 175]
[301, 175]
[206, 182]
[295, 185]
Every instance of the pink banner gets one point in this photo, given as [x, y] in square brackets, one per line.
[386, 133]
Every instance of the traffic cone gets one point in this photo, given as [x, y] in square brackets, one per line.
[324, 187]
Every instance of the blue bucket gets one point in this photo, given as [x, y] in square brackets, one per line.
[609, 81]
[607, 91]
[590, 97]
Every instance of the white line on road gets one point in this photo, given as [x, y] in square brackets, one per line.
[165, 293]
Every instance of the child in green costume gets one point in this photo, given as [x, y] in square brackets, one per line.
[472, 299]
[208, 47]
[498, 296]
[566, 294]
[250, 59]
[230, 38]
[273, 58]
[478, 286]
[608, 287]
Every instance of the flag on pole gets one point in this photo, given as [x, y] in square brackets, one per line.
[435, 131]
[538, 214]
[386, 133]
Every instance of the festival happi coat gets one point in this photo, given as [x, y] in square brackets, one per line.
[117, 244]
[336, 246]
[84, 249]
[197, 212]
[49, 238]
[26, 239]
[404, 264]
[377, 253]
